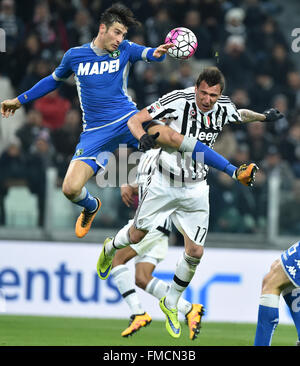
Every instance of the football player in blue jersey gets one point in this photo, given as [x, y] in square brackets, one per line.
[101, 70]
[283, 279]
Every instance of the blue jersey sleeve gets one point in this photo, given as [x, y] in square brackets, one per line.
[49, 83]
[64, 70]
[43, 87]
[138, 52]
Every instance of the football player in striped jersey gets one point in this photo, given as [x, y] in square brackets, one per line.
[148, 253]
[197, 116]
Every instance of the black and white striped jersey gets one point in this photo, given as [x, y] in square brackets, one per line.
[181, 113]
[145, 168]
[147, 164]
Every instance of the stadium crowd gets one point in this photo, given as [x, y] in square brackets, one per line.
[242, 38]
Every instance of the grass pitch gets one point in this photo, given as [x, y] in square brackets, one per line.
[56, 331]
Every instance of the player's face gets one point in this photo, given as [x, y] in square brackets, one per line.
[206, 96]
[112, 37]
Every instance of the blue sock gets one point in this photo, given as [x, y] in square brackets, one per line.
[86, 200]
[268, 318]
[292, 299]
[212, 158]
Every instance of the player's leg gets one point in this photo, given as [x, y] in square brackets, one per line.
[185, 270]
[268, 313]
[124, 280]
[184, 273]
[191, 219]
[158, 288]
[125, 284]
[150, 213]
[151, 251]
[112, 245]
[78, 173]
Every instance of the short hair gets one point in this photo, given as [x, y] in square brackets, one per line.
[118, 13]
[212, 76]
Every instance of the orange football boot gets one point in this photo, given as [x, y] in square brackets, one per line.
[84, 221]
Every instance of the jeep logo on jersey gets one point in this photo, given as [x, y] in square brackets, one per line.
[98, 68]
[207, 136]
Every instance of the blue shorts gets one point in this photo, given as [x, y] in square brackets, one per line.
[290, 261]
[95, 146]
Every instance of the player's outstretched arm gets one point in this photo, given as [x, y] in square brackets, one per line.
[162, 50]
[158, 54]
[270, 115]
[43, 87]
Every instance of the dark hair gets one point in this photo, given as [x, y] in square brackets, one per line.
[118, 13]
[212, 76]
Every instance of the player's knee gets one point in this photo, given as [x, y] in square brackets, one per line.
[195, 251]
[141, 280]
[269, 282]
[70, 190]
[136, 235]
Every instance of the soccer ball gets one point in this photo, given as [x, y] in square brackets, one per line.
[185, 43]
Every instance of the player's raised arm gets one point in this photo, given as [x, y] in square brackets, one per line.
[270, 115]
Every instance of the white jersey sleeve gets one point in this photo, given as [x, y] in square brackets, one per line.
[232, 114]
[166, 106]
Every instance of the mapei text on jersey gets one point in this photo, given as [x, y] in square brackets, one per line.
[98, 68]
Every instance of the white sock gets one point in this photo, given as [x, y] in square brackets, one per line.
[159, 288]
[81, 196]
[270, 300]
[125, 284]
[184, 273]
[121, 240]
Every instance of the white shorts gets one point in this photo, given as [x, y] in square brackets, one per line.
[153, 248]
[188, 207]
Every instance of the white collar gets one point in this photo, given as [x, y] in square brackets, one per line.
[98, 51]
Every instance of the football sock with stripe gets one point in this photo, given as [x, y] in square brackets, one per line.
[291, 296]
[184, 273]
[125, 284]
[159, 288]
[268, 317]
[86, 200]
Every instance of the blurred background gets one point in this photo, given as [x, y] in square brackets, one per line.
[249, 40]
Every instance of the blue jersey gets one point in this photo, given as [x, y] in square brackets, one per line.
[101, 80]
[290, 261]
